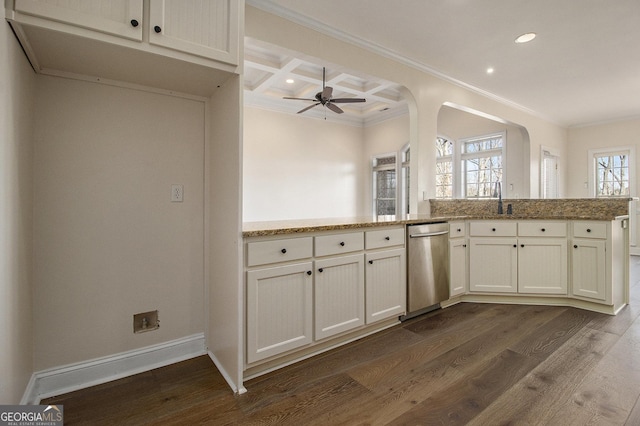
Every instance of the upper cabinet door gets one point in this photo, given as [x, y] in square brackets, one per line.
[122, 18]
[207, 28]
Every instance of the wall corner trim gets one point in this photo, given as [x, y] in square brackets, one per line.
[68, 378]
[236, 389]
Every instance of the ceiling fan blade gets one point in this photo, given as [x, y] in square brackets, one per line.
[333, 107]
[300, 99]
[326, 93]
[347, 100]
[309, 107]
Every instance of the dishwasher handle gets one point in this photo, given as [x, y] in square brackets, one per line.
[430, 234]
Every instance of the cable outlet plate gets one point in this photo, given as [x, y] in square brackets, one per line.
[145, 321]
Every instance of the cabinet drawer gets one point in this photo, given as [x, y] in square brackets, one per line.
[589, 229]
[542, 229]
[327, 245]
[457, 229]
[492, 229]
[264, 252]
[384, 238]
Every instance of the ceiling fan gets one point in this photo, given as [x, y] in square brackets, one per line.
[324, 98]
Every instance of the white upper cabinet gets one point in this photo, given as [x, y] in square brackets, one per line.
[202, 28]
[187, 46]
[122, 18]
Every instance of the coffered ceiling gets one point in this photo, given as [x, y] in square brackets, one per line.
[267, 69]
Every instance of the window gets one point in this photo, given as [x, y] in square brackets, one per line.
[482, 165]
[406, 169]
[611, 172]
[444, 168]
[549, 175]
[612, 175]
[384, 185]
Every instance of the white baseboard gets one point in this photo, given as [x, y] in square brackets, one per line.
[68, 378]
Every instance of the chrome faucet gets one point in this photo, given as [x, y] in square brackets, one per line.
[498, 193]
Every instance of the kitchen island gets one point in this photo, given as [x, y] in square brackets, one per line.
[311, 285]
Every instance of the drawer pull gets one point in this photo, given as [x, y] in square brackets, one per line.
[371, 262]
[588, 229]
[387, 238]
[543, 229]
[283, 251]
[515, 245]
[342, 243]
[459, 230]
[320, 270]
[464, 245]
[575, 246]
[309, 272]
[134, 23]
[157, 29]
[521, 245]
[493, 229]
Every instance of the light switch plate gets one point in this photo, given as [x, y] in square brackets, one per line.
[177, 193]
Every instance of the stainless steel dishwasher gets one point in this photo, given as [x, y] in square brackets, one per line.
[427, 267]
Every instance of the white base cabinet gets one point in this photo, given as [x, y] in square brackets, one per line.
[279, 310]
[311, 290]
[588, 269]
[386, 284]
[493, 265]
[542, 265]
[339, 295]
[581, 263]
[457, 259]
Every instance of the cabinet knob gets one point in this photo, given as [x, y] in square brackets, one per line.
[320, 270]
[342, 243]
[588, 229]
[309, 272]
[493, 229]
[464, 245]
[543, 229]
[134, 23]
[371, 262]
[387, 238]
[515, 245]
[459, 230]
[157, 29]
[283, 251]
[521, 245]
[575, 246]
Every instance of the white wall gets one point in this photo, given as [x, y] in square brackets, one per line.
[108, 241]
[300, 168]
[609, 135]
[17, 82]
[225, 329]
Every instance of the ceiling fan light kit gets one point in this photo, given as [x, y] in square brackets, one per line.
[324, 98]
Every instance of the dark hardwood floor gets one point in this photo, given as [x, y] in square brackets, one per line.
[478, 364]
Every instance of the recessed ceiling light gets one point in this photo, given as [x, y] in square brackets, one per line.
[490, 70]
[290, 81]
[525, 38]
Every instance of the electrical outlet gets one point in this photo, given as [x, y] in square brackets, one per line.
[177, 193]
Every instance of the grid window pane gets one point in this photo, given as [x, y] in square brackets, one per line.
[612, 175]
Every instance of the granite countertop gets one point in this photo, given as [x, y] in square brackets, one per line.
[261, 229]
[460, 209]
